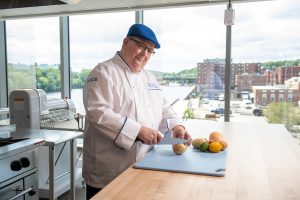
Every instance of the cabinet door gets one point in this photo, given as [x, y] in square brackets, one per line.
[31, 181]
[12, 190]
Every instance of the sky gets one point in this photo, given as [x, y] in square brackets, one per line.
[263, 31]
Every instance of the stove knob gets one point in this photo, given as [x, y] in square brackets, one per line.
[15, 165]
[25, 162]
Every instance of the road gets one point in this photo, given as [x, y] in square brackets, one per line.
[239, 113]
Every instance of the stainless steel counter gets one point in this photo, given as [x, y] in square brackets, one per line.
[51, 138]
[4, 111]
[20, 147]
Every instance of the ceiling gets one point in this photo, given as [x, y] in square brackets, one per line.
[10, 9]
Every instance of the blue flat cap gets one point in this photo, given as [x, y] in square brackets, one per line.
[142, 31]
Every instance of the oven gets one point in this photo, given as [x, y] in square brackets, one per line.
[19, 171]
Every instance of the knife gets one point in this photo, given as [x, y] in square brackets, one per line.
[168, 139]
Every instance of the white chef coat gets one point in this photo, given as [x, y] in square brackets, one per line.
[117, 103]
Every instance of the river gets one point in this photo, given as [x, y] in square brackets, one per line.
[171, 93]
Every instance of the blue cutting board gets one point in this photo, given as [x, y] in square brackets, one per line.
[193, 161]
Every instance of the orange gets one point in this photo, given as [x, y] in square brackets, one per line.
[224, 144]
[215, 136]
[215, 147]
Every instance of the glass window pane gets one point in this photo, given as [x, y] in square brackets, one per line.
[270, 39]
[93, 39]
[264, 51]
[33, 55]
[191, 38]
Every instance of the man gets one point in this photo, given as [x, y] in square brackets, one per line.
[125, 110]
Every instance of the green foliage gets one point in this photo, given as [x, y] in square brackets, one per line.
[282, 112]
[84, 74]
[21, 77]
[281, 63]
[188, 73]
[46, 78]
[188, 113]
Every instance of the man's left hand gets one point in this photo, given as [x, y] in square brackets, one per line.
[180, 132]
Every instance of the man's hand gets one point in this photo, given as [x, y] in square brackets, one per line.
[180, 132]
[149, 136]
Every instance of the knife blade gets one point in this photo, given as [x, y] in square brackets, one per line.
[168, 139]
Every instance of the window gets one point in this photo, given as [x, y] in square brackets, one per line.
[272, 97]
[280, 97]
[190, 37]
[33, 55]
[264, 98]
[290, 97]
[93, 39]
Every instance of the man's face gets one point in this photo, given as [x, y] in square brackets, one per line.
[136, 52]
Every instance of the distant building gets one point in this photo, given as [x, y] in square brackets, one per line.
[289, 92]
[281, 74]
[246, 68]
[293, 83]
[245, 82]
[211, 75]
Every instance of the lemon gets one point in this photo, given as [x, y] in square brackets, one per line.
[215, 147]
[204, 146]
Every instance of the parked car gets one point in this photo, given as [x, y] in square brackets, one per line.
[220, 111]
[257, 112]
[247, 104]
[205, 100]
[221, 97]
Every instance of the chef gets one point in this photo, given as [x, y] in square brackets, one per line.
[125, 111]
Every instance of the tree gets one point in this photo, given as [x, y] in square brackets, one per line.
[282, 112]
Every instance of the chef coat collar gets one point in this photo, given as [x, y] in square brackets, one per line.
[126, 66]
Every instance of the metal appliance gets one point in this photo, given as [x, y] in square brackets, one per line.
[18, 164]
[30, 108]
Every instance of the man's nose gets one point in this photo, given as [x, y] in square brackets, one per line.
[144, 50]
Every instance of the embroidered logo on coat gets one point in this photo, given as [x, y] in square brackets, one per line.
[153, 86]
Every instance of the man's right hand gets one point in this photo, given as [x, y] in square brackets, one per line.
[149, 136]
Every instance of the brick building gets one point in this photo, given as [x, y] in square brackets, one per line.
[281, 74]
[246, 81]
[289, 92]
[211, 74]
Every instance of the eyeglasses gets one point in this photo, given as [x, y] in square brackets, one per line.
[142, 45]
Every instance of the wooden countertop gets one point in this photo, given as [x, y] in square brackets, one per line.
[263, 162]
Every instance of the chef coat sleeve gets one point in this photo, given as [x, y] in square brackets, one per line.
[169, 118]
[99, 102]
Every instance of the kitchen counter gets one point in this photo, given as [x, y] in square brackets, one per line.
[263, 162]
[24, 142]
[51, 139]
